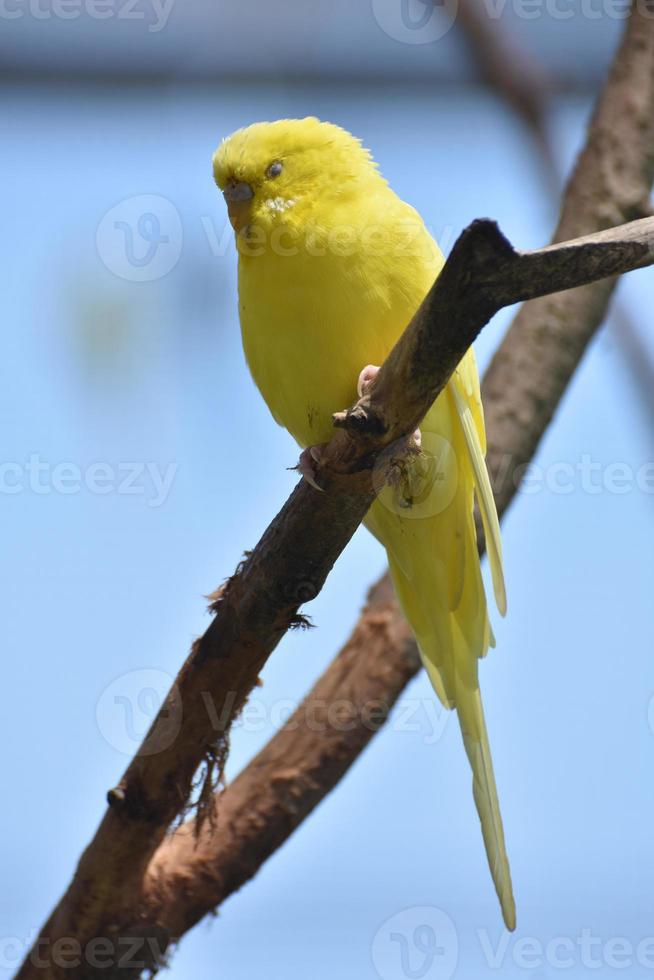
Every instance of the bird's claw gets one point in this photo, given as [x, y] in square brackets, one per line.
[311, 455]
[306, 465]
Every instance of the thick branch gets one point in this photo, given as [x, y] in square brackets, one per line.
[289, 565]
[299, 766]
[188, 877]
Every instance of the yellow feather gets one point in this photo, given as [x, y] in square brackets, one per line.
[332, 265]
[483, 489]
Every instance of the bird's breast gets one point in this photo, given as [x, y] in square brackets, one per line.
[311, 322]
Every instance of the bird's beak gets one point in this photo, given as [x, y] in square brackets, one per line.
[238, 197]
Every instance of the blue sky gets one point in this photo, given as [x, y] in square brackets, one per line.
[102, 578]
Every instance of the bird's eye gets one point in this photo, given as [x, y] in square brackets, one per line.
[275, 169]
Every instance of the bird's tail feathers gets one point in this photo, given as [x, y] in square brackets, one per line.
[449, 658]
[475, 740]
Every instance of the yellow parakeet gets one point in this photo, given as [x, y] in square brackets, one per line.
[332, 265]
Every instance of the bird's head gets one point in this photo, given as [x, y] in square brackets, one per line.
[289, 171]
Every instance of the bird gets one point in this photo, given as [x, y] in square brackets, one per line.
[332, 265]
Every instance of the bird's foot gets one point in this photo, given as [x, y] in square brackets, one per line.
[366, 377]
[306, 465]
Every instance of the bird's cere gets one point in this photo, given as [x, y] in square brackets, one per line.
[238, 190]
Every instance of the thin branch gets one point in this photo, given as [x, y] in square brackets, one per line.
[612, 177]
[513, 73]
[107, 897]
[482, 275]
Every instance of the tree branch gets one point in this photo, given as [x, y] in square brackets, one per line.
[512, 72]
[111, 896]
[299, 767]
[611, 179]
[516, 76]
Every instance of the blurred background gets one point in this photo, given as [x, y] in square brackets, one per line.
[138, 462]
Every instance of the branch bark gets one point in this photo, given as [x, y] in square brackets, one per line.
[113, 897]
